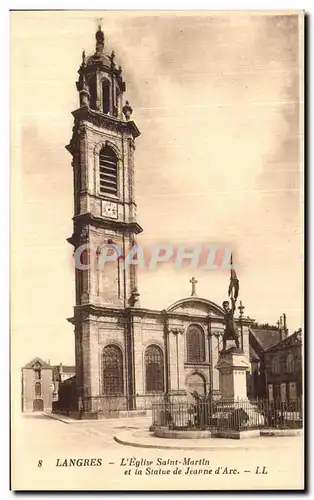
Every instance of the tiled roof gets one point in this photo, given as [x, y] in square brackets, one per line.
[265, 337]
[65, 369]
[253, 355]
[70, 380]
[295, 338]
[68, 369]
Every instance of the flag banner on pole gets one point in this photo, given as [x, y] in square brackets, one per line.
[234, 282]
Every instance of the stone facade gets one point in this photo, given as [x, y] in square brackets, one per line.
[107, 313]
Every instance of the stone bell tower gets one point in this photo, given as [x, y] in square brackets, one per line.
[102, 147]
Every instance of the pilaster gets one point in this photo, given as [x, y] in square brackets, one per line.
[176, 359]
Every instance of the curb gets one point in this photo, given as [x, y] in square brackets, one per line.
[174, 434]
[152, 446]
[127, 441]
[54, 417]
[176, 447]
[69, 420]
[281, 432]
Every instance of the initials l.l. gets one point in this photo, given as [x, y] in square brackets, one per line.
[263, 471]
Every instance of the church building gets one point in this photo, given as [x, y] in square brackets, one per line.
[126, 356]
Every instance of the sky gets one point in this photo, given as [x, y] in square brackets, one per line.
[218, 101]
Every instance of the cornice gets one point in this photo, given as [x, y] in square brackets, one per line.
[88, 218]
[91, 309]
[105, 121]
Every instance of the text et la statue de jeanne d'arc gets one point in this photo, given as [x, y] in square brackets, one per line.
[162, 466]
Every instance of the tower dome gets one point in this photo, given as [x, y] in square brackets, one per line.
[99, 58]
[101, 84]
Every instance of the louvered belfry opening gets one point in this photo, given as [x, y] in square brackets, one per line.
[108, 171]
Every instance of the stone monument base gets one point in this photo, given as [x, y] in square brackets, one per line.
[232, 366]
[235, 409]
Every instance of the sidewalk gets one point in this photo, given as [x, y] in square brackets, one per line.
[135, 422]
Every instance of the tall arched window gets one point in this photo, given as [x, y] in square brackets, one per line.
[290, 363]
[112, 365]
[105, 96]
[275, 365]
[195, 341]
[38, 389]
[108, 171]
[154, 369]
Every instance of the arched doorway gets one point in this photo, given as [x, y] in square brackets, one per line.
[38, 405]
[195, 383]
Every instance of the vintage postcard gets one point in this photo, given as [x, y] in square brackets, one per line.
[157, 250]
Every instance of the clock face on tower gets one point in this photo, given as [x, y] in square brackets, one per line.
[109, 209]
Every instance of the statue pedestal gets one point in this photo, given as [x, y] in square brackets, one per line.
[236, 413]
[232, 366]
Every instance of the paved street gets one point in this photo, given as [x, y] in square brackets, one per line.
[38, 437]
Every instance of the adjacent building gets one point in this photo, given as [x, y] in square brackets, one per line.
[37, 386]
[260, 339]
[40, 384]
[61, 374]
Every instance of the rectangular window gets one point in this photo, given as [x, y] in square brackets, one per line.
[292, 390]
[270, 392]
[283, 392]
[37, 373]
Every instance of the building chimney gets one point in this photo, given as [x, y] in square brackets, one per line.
[285, 329]
[280, 328]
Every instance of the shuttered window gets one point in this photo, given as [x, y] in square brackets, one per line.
[108, 172]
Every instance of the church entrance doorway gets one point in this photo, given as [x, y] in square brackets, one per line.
[195, 383]
[38, 405]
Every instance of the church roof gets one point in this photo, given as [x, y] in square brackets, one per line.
[64, 368]
[39, 361]
[266, 337]
[68, 369]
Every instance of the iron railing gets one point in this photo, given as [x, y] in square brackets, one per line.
[235, 415]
